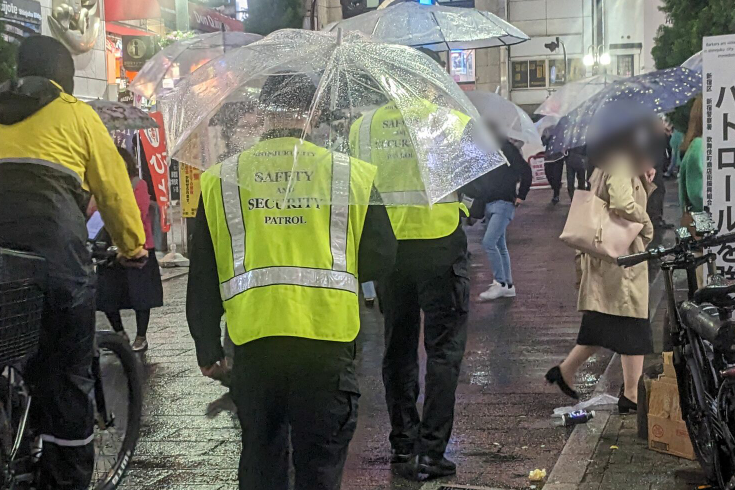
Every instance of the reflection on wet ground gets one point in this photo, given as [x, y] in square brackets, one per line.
[503, 429]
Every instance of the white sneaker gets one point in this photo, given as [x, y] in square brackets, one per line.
[487, 294]
[498, 292]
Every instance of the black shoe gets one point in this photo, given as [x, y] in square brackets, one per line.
[404, 465]
[397, 457]
[554, 377]
[626, 406]
[436, 467]
[555, 200]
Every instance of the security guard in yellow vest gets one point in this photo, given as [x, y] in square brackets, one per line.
[430, 275]
[285, 274]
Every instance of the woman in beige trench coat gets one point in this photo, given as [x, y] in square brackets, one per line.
[614, 299]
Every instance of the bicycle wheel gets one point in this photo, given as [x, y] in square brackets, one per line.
[119, 409]
[698, 425]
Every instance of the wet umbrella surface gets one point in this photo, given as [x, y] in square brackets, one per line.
[224, 109]
[659, 91]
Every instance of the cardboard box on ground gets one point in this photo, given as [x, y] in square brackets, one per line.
[667, 431]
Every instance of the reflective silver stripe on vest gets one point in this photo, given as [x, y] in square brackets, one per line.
[291, 276]
[44, 163]
[233, 211]
[365, 130]
[416, 198]
[340, 211]
[335, 278]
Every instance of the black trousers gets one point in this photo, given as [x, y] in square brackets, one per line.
[656, 201]
[62, 385]
[443, 296]
[305, 389]
[554, 171]
[578, 174]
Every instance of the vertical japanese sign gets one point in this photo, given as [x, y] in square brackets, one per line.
[718, 76]
[154, 147]
[191, 182]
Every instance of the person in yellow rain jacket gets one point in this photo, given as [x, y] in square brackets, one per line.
[54, 151]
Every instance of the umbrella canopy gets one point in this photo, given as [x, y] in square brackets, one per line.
[660, 91]
[118, 116]
[181, 58]
[546, 123]
[573, 94]
[509, 119]
[434, 27]
[694, 62]
[256, 92]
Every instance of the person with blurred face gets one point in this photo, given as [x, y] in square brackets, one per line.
[623, 143]
[285, 272]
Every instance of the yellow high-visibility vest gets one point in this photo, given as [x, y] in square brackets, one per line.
[381, 138]
[288, 265]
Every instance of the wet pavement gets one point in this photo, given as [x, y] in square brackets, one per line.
[502, 429]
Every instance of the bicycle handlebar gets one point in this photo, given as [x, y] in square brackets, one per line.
[692, 245]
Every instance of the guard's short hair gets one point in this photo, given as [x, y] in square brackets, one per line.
[287, 92]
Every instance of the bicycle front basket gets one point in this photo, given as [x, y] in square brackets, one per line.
[22, 282]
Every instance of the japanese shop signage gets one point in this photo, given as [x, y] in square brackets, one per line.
[191, 179]
[718, 141]
[154, 147]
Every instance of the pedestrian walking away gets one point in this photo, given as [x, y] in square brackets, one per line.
[655, 207]
[614, 300]
[55, 150]
[287, 281]
[554, 170]
[132, 288]
[577, 171]
[501, 191]
[430, 276]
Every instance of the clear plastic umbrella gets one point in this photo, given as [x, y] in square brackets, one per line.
[694, 62]
[242, 100]
[573, 94]
[434, 27]
[509, 119]
[177, 61]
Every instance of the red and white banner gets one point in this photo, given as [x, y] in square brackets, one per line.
[208, 20]
[539, 172]
[154, 147]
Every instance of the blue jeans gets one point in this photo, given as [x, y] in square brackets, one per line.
[499, 214]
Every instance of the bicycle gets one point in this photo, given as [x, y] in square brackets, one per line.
[116, 370]
[703, 339]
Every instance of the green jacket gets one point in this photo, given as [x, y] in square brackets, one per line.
[691, 178]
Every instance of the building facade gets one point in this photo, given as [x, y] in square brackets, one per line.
[616, 36]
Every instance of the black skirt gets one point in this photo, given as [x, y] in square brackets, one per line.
[125, 288]
[621, 334]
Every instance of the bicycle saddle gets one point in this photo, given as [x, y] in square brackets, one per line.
[718, 289]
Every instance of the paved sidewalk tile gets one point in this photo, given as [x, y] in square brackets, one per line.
[632, 465]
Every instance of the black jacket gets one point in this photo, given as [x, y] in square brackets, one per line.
[204, 310]
[501, 184]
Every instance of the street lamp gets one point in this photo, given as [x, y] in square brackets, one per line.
[596, 56]
[553, 46]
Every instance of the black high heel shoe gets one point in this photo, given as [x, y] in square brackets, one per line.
[626, 406]
[554, 377]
